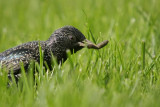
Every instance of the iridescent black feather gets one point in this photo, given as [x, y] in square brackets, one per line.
[63, 39]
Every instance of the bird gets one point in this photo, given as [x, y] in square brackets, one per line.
[61, 40]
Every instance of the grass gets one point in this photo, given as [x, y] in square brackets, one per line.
[124, 73]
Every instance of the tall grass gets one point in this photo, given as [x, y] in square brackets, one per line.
[124, 73]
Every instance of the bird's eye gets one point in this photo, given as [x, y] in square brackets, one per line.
[72, 38]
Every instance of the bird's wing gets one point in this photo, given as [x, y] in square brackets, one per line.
[12, 60]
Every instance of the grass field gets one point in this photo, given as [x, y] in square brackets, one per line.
[124, 73]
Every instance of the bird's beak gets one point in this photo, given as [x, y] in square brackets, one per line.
[90, 45]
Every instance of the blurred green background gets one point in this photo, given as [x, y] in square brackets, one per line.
[113, 76]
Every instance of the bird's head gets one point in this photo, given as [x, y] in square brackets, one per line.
[70, 38]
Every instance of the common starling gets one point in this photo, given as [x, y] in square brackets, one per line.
[62, 39]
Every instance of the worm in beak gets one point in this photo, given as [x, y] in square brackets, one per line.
[90, 45]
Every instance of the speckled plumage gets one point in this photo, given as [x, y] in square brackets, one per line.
[62, 39]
